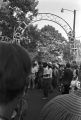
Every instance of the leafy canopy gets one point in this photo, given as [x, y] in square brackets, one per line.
[12, 12]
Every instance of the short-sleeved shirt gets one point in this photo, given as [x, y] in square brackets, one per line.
[46, 72]
[50, 72]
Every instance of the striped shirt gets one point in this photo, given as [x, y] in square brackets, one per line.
[63, 107]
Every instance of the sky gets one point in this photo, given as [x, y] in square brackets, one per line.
[54, 7]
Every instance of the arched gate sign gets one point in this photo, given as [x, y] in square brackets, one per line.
[18, 33]
[54, 18]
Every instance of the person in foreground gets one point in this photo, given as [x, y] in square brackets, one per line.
[63, 107]
[15, 66]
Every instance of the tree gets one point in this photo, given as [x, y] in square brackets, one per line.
[32, 36]
[53, 40]
[12, 12]
[67, 55]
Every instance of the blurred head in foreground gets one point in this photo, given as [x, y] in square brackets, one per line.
[15, 66]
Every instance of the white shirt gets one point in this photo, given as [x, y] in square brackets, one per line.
[34, 70]
[50, 72]
[46, 72]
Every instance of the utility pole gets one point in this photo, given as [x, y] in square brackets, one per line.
[74, 23]
[73, 32]
[74, 19]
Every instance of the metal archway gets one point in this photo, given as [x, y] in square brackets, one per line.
[43, 16]
[18, 34]
[54, 18]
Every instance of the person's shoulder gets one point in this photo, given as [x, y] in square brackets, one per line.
[68, 70]
[54, 106]
[57, 100]
[60, 97]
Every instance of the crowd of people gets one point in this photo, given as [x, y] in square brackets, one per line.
[18, 74]
[66, 106]
[48, 76]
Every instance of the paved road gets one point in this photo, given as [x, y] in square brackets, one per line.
[35, 103]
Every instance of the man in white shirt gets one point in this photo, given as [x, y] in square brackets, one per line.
[45, 80]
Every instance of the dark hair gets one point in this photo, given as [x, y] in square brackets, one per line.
[15, 66]
[68, 65]
[49, 65]
[45, 64]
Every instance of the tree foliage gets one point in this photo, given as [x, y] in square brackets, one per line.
[53, 41]
[67, 55]
[14, 11]
[32, 35]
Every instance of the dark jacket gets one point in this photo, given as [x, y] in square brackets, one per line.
[68, 75]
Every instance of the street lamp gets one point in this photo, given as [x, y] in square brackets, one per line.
[73, 32]
[74, 13]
